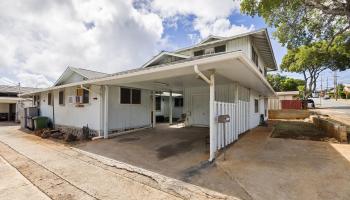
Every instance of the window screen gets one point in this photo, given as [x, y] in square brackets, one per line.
[219, 49]
[125, 94]
[61, 97]
[136, 96]
[158, 103]
[49, 99]
[86, 96]
[199, 53]
[256, 105]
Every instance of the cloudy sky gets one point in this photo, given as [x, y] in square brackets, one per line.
[40, 38]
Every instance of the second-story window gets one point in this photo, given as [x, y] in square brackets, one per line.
[219, 49]
[198, 53]
[255, 57]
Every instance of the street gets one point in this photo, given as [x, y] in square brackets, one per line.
[339, 110]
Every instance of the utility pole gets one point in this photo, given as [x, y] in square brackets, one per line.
[321, 92]
[335, 86]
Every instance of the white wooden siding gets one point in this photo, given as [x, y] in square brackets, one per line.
[70, 114]
[239, 122]
[223, 93]
[125, 116]
[177, 111]
[238, 44]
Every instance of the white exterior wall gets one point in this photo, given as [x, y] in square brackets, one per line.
[224, 93]
[242, 44]
[255, 117]
[177, 111]
[73, 79]
[70, 114]
[125, 116]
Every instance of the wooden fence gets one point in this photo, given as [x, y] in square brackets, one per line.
[239, 123]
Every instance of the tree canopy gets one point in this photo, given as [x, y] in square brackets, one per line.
[301, 22]
[283, 83]
[310, 60]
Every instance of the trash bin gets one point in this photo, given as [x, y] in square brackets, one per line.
[40, 122]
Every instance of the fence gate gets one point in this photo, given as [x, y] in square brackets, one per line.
[239, 123]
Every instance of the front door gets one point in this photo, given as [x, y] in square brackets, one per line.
[200, 109]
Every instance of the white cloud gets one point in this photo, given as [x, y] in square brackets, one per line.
[210, 16]
[43, 37]
[219, 27]
[40, 38]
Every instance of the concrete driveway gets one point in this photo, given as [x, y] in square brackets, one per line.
[256, 166]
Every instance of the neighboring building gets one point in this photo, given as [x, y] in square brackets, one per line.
[220, 75]
[10, 104]
[275, 101]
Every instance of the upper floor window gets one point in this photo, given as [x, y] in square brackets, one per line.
[130, 96]
[255, 57]
[219, 49]
[198, 53]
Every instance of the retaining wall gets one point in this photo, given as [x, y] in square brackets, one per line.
[331, 128]
[289, 114]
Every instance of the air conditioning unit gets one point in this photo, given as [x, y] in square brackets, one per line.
[71, 99]
[79, 99]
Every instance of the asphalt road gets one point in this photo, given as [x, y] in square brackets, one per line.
[340, 110]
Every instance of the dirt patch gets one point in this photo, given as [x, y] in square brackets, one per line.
[128, 139]
[300, 130]
[170, 150]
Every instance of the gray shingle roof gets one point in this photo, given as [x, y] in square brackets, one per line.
[88, 73]
[15, 89]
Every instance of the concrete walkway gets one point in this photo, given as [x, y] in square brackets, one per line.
[64, 173]
[15, 186]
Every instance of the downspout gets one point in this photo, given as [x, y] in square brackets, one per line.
[212, 125]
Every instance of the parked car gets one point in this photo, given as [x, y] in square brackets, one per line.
[310, 103]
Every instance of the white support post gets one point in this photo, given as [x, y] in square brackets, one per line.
[153, 109]
[171, 108]
[212, 127]
[105, 113]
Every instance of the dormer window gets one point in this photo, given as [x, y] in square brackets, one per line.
[219, 49]
[198, 53]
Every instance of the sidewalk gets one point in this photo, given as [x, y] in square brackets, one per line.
[59, 170]
[15, 186]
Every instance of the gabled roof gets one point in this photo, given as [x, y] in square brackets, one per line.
[16, 89]
[162, 55]
[85, 73]
[211, 38]
[261, 39]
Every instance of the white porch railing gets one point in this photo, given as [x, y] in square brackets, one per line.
[239, 123]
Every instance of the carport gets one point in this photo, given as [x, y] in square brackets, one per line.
[208, 72]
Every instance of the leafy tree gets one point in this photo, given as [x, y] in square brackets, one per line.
[311, 60]
[301, 22]
[282, 83]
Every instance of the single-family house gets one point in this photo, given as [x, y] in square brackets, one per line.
[218, 76]
[274, 102]
[10, 104]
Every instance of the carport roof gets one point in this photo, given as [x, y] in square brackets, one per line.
[234, 66]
